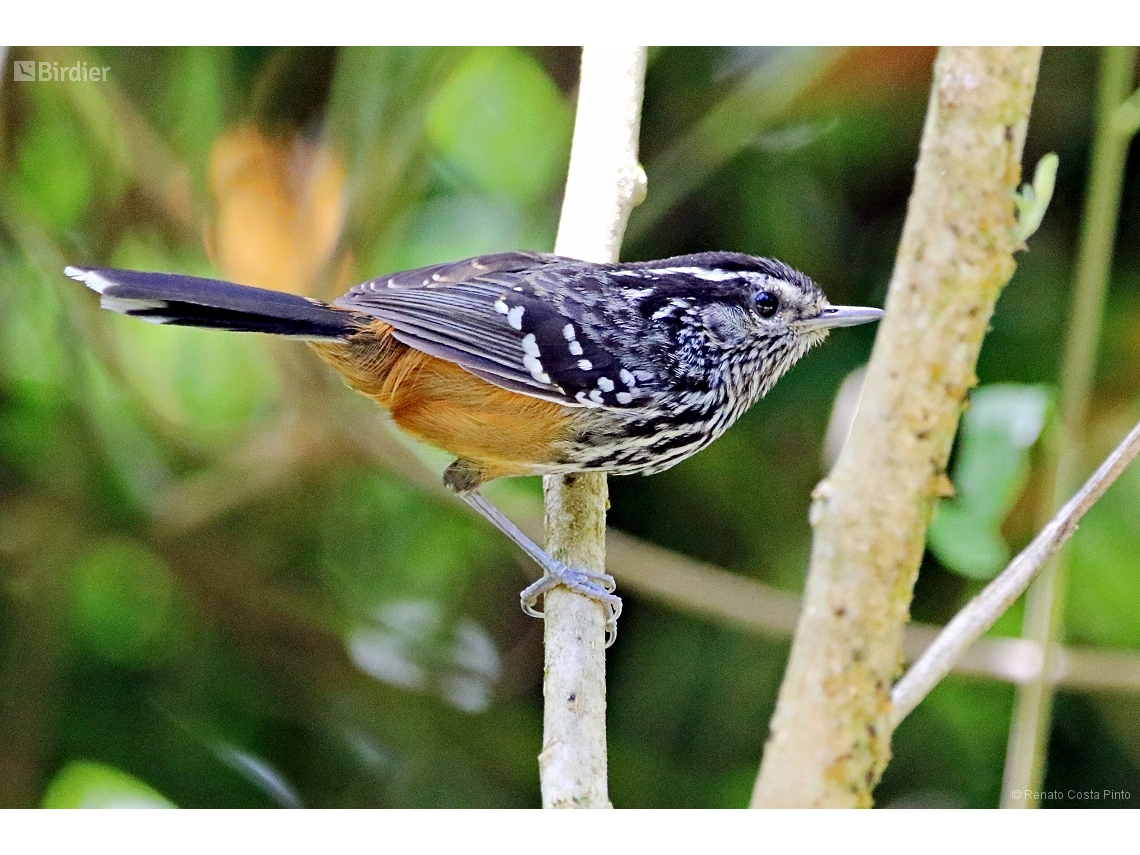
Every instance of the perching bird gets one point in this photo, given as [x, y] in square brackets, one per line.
[525, 363]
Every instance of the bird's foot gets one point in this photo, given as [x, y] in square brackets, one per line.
[597, 586]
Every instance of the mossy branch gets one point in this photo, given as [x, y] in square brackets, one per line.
[831, 732]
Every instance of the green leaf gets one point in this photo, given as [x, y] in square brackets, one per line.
[83, 784]
[501, 120]
[1032, 201]
[1002, 424]
[1000, 427]
[966, 544]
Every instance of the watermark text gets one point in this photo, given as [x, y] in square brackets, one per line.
[79, 72]
[1072, 795]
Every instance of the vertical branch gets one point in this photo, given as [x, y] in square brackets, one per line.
[1044, 605]
[604, 183]
[831, 732]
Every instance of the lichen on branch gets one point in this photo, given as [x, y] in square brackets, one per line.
[831, 732]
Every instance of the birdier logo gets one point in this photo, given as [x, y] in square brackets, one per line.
[28, 69]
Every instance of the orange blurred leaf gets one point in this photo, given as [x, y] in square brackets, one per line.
[280, 207]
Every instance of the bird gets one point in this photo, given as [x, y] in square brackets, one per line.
[527, 363]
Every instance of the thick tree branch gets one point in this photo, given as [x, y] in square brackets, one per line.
[831, 731]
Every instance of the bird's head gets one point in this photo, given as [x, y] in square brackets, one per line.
[756, 316]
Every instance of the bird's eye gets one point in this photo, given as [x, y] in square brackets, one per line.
[767, 304]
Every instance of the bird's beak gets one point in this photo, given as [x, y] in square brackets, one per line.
[841, 316]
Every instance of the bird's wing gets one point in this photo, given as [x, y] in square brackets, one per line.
[506, 319]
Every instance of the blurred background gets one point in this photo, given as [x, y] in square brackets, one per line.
[226, 581]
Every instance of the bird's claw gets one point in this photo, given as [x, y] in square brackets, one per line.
[597, 586]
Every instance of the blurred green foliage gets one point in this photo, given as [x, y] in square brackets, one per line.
[224, 581]
[501, 120]
[122, 603]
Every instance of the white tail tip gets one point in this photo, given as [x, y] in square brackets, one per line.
[91, 278]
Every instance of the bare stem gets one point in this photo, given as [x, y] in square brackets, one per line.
[1045, 603]
[981, 612]
[604, 183]
[831, 731]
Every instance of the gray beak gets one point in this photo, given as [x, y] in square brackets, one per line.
[841, 316]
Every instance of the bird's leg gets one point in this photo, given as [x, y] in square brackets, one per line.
[597, 586]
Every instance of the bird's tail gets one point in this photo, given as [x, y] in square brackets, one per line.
[170, 298]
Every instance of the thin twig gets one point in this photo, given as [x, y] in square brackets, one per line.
[604, 183]
[1045, 603]
[981, 612]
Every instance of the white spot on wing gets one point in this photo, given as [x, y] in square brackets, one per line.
[534, 366]
[596, 396]
[624, 398]
[605, 384]
[585, 364]
[501, 306]
[575, 348]
[568, 332]
[531, 361]
[627, 378]
[514, 317]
